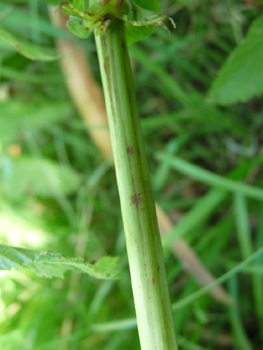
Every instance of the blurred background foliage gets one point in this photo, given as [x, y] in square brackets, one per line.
[200, 98]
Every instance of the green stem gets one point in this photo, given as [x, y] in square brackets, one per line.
[150, 289]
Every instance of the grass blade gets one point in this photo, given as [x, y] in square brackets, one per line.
[211, 179]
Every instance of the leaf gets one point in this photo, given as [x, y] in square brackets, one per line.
[146, 20]
[41, 177]
[51, 264]
[153, 5]
[140, 17]
[29, 50]
[241, 78]
[98, 18]
[78, 27]
[134, 34]
[79, 4]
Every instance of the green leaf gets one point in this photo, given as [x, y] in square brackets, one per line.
[29, 50]
[241, 78]
[153, 5]
[51, 264]
[134, 34]
[78, 27]
[41, 177]
[79, 4]
[139, 16]
[146, 20]
[100, 17]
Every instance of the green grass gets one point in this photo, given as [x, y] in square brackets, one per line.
[206, 167]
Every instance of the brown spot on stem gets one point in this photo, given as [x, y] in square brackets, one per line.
[158, 268]
[153, 280]
[119, 4]
[135, 199]
[104, 2]
[123, 44]
[129, 150]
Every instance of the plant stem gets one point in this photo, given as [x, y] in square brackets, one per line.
[150, 289]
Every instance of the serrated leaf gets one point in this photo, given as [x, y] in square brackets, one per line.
[42, 177]
[51, 264]
[241, 78]
[140, 17]
[98, 18]
[29, 50]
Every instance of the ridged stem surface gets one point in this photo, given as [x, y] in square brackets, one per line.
[149, 283]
